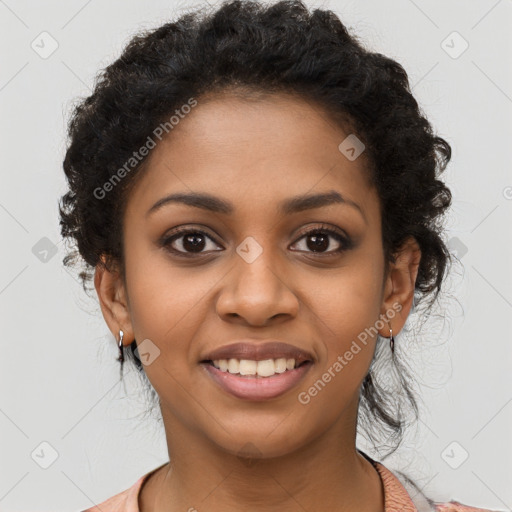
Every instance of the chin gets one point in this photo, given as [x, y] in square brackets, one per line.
[259, 442]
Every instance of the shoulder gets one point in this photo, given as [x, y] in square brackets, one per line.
[116, 503]
[125, 501]
[455, 506]
[121, 502]
[424, 503]
[402, 493]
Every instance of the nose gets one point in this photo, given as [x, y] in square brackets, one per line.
[256, 293]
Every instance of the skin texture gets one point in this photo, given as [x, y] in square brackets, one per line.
[255, 154]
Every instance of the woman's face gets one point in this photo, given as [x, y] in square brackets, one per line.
[273, 172]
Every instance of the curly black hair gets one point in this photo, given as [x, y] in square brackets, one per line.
[248, 48]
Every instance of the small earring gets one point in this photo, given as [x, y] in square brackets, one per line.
[391, 340]
[120, 345]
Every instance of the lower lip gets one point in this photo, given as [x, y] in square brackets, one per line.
[258, 388]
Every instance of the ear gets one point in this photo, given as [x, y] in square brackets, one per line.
[399, 287]
[113, 301]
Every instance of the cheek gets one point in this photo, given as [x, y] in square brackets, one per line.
[345, 314]
[348, 308]
[167, 306]
[165, 302]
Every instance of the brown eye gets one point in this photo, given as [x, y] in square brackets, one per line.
[319, 240]
[188, 241]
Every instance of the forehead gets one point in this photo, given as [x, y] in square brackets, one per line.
[254, 151]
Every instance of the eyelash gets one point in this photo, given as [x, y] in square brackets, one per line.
[345, 242]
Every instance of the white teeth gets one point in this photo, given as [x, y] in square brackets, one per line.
[246, 367]
[233, 366]
[265, 368]
[280, 365]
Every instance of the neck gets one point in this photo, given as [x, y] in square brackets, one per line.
[325, 474]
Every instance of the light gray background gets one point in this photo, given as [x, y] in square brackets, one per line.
[59, 379]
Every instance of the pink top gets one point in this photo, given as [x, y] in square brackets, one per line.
[396, 497]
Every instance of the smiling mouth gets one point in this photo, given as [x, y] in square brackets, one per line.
[255, 369]
[257, 380]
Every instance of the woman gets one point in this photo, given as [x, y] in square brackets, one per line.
[257, 200]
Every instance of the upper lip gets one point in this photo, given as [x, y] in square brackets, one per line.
[255, 351]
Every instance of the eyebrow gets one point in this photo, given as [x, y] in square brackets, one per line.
[287, 207]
